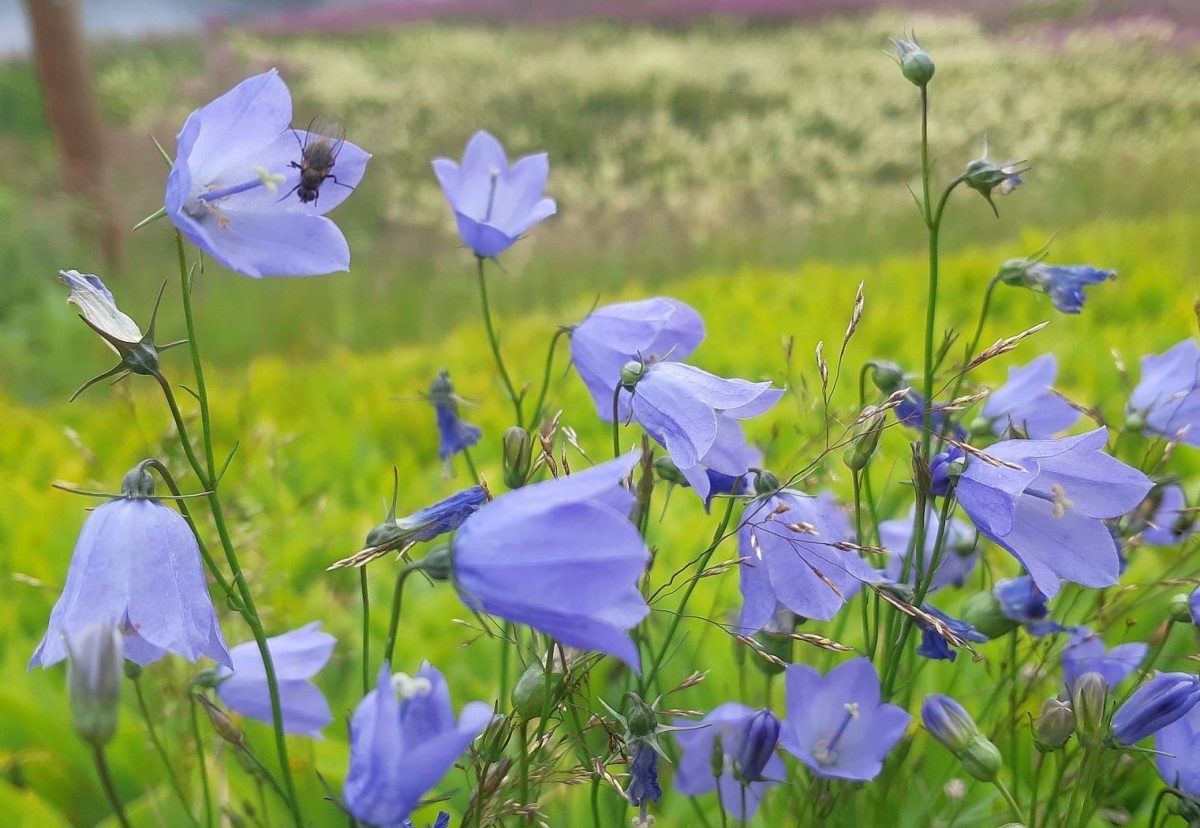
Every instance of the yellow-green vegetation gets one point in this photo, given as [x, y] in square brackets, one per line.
[710, 148]
[318, 439]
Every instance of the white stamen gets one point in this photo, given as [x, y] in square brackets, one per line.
[269, 180]
[1061, 502]
[410, 687]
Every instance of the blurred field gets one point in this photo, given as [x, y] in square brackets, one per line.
[756, 173]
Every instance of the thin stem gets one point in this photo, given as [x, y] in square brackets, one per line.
[536, 417]
[109, 789]
[616, 420]
[718, 536]
[524, 763]
[162, 753]
[495, 343]
[983, 315]
[595, 802]
[208, 816]
[366, 629]
[394, 621]
[474, 472]
[1039, 762]
[1008, 797]
[207, 476]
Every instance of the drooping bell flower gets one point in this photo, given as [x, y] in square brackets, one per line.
[836, 724]
[1064, 284]
[650, 330]
[934, 644]
[958, 549]
[1025, 406]
[990, 178]
[1085, 653]
[644, 787]
[1167, 400]
[298, 656]
[910, 411]
[1021, 601]
[695, 415]
[789, 545]
[1165, 698]
[726, 727]
[454, 434]
[1046, 501]
[236, 189]
[1178, 747]
[562, 557]
[137, 567]
[401, 748]
[1172, 522]
[493, 203]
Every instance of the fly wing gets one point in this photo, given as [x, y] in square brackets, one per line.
[329, 131]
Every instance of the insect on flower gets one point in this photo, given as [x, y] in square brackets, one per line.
[318, 153]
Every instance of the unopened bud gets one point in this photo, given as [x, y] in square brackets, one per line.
[631, 373]
[949, 723]
[529, 695]
[981, 759]
[757, 746]
[94, 682]
[1054, 726]
[438, 563]
[222, 723]
[1180, 608]
[863, 445]
[716, 758]
[984, 612]
[765, 483]
[133, 670]
[518, 457]
[887, 376]
[915, 63]
[1089, 698]
[666, 470]
[642, 719]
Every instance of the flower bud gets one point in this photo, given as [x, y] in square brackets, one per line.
[518, 457]
[666, 470]
[716, 758]
[1160, 701]
[981, 759]
[915, 63]
[133, 670]
[642, 719]
[949, 723]
[438, 563]
[765, 483]
[887, 376]
[1180, 608]
[222, 723]
[529, 695]
[1054, 726]
[759, 739]
[94, 682]
[984, 612]
[631, 373]
[863, 445]
[988, 178]
[1089, 698]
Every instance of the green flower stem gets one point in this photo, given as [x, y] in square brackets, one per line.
[474, 472]
[1060, 771]
[536, 417]
[208, 478]
[366, 629]
[1008, 797]
[495, 343]
[109, 790]
[974, 343]
[394, 622]
[701, 564]
[616, 429]
[162, 753]
[208, 815]
[1039, 761]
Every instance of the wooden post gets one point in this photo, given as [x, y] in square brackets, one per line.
[74, 114]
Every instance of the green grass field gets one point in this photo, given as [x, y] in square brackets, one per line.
[761, 187]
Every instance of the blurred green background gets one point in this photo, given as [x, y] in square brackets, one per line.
[755, 169]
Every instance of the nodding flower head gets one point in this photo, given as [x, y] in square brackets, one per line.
[454, 434]
[989, 178]
[1064, 284]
